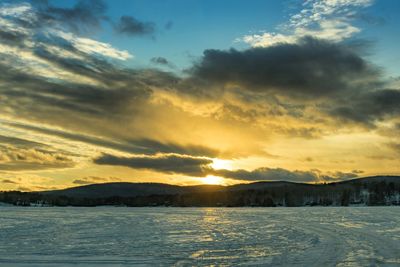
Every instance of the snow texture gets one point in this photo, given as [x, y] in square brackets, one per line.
[117, 236]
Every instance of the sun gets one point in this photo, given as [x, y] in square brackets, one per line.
[211, 179]
[219, 164]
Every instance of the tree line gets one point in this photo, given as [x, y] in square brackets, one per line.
[287, 195]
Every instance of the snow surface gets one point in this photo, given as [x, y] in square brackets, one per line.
[116, 236]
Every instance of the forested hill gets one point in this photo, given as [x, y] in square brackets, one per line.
[377, 190]
[131, 190]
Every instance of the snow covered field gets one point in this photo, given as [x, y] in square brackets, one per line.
[111, 236]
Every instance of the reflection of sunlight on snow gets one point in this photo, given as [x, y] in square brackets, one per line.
[350, 224]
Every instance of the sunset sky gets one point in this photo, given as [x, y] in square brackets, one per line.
[197, 91]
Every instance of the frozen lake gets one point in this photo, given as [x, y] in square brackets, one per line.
[113, 236]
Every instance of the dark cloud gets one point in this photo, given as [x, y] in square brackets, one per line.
[95, 179]
[131, 26]
[93, 113]
[111, 107]
[19, 142]
[160, 60]
[200, 167]
[279, 174]
[83, 17]
[369, 107]
[169, 164]
[7, 181]
[310, 68]
[269, 174]
[14, 38]
[191, 150]
[81, 182]
[38, 98]
[121, 94]
[138, 146]
[343, 85]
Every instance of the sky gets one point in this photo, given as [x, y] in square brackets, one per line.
[197, 92]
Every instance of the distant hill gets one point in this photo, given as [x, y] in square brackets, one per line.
[373, 179]
[131, 190]
[377, 190]
[123, 189]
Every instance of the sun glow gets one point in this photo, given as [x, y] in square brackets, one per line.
[219, 164]
[211, 179]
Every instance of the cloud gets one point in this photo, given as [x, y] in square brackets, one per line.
[138, 146]
[329, 20]
[129, 25]
[370, 107]
[7, 181]
[395, 146]
[312, 80]
[18, 154]
[10, 37]
[310, 68]
[90, 46]
[269, 174]
[57, 82]
[75, 97]
[279, 174]
[27, 26]
[200, 167]
[14, 10]
[19, 142]
[160, 60]
[83, 87]
[170, 164]
[65, 80]
[83, 17]
[81, 182]
[65, 86]
[94, 180]
[301, 132]
[17, 159]
[27, 181]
